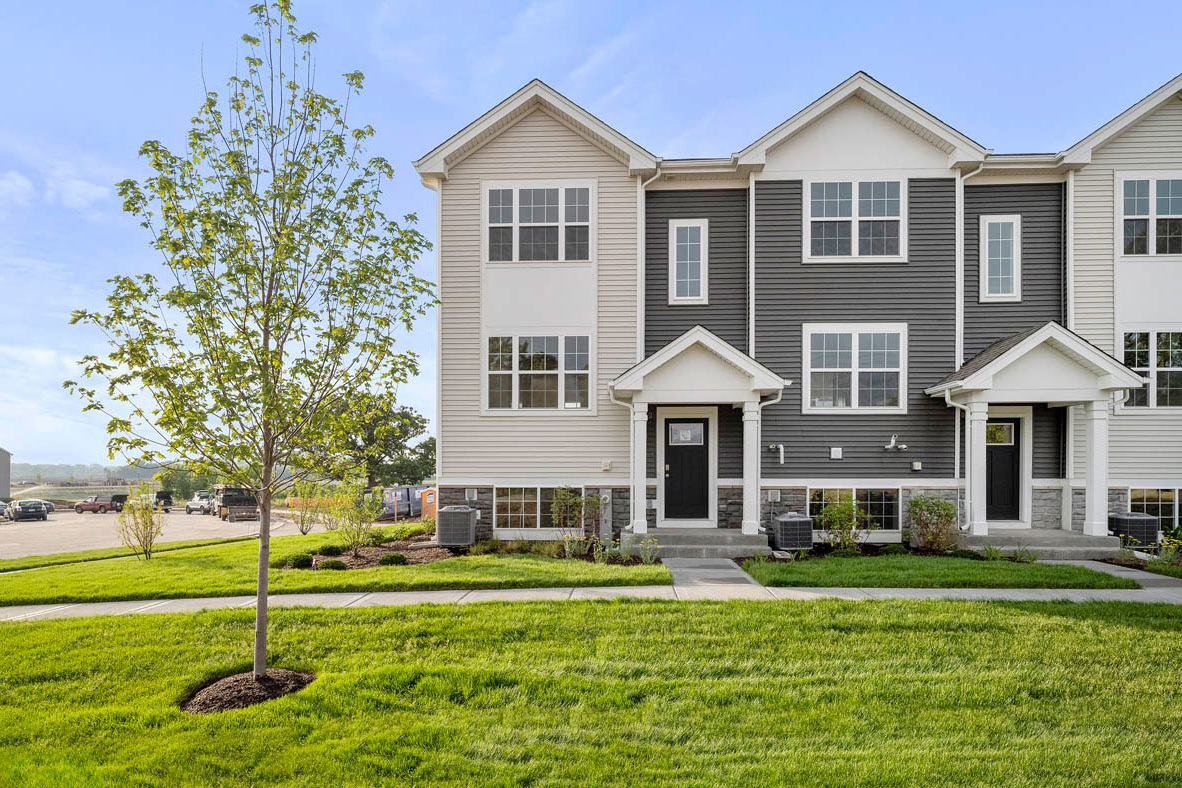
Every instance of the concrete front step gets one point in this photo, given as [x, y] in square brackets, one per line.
[1046, 544]
[703, 542]
[713, 551]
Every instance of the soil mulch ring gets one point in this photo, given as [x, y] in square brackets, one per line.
[242, 690]
[370, 555]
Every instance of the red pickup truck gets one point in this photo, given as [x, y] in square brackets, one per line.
[101, 504]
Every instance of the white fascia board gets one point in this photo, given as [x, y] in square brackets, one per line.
[762, 378]
[1081, 152]
[963, 148]
[1116, 375]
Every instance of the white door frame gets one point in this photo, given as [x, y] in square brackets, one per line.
[710, 413]
[1025, 416]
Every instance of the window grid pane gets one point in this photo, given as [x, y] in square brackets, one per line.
[834, 199]
[500, 206]
[831, 351]
[1136, 236]
[882, 506]
[500, 354]
[538, 243]
[829, 389]
[878, 198]
[577, 354]
[1169, 349]
[830, 239]
[575, 391]
[999, 258]
[878, 351]
[821, 498]
[1169, 198]
[687, 261]
[1136, 198]
[537, 391]
[578, 243]
[1169, 236]
[878, 389]
[1159, 503]
[500, 391]
[537, 353]
[538, 205]
[578, 205]
[500, 244]
[878, 238]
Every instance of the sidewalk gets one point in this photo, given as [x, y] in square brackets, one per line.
[693, 580]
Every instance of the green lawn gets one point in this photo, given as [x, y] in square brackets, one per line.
[828, 693]
[55, 559]
[914, 571]
[229, 570]
[1164, 568]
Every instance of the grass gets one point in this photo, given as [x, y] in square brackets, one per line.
[827, 693]
[1164, 568]
[81, 556]
[229, 570]
[914, 571]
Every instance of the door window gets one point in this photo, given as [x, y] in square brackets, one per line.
[685, 434]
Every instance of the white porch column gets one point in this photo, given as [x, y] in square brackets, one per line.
[639, 467]
[1096, 506]
[751, 414]
[978, 416]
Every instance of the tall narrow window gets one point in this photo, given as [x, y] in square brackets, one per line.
[500, 224]
[500, 372]
[1169, 369]
[839, 225]
[689, 261]
[576, 365]
[1136, 358]
[1157, 357]
[1150, 215]
[1000, 258]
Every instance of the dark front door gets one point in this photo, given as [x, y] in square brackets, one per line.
[1002, 467]
[687, 469]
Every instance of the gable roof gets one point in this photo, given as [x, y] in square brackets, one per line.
[534, 95]
[959, 147]
[762, 378]
[978, 372]
[1081, 152]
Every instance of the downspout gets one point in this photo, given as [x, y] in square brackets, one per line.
[967, 465]
[611, 395]
[759, 465]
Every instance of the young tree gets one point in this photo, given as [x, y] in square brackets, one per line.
[356, 513]
[284, 284]
[140, 523]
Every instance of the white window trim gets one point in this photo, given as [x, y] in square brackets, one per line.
[1118, 204]
[872, 536]
[984, 295]
[561, 185]
[590, 372]
[538, 534]
[854, 218]
[1151, 382]
[808, 329]
[1177, 493]
[704, 226]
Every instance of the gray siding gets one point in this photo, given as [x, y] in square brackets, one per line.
[726, 314]
[1041, 208]
[921, 292]
[1050, 425]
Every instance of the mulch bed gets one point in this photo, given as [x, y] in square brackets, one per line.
[1128, 563]
[370, 555]
[242, 690]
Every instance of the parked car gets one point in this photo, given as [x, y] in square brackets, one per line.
[202, 501]
[164, 500]
[27, 509]
[100, 504]
[47, 504]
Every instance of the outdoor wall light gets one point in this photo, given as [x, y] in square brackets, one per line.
[894, 445]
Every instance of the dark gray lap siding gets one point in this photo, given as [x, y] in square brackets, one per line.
[1041, 208]
[726, 313]
[921, 293]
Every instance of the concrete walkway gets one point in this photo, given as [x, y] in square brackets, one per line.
[693, 579]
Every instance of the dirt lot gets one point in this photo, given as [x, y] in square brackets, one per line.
[65, 531]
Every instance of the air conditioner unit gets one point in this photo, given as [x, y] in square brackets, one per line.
[456, 526]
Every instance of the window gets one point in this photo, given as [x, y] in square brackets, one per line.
[551, 223]
[1000, 258]
[834, 219]
[1162, 504]
[686, 434]
[1151, 215]
[855, 367]
[529, 372]
[1157, 357]
[880, 505]
[689, 260]
[999, 434]
[525, 507]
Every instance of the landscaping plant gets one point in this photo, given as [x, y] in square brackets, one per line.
[283, 282]
[356, 513]
[845, 525]
[305, 505]
[140, 524]
[932, 522]
[648, 550]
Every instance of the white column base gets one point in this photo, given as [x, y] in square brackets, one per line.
[751, 527]
[640, 526]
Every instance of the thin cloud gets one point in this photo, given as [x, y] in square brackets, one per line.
[15, 190]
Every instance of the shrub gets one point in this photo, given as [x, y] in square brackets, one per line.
[575, 546]
[517, 546]
[648, 549]
[845, 524]
[893, 549]
[378, 537]
[332, 563]
[932, 520]
[972, 555]
[846, 552]
[278, 561]
[392, 559]
[330, 549]
[140, 524]
[305, 506]
[573, 512]
[428, 525]
[300, 561]
[992, 553]
[548, 549]
[485, 547]
[1023, 555]
[356, 512]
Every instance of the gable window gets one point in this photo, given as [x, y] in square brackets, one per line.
[542, 223]
[839, 225]
[1150, 216]
[1000, 258]
[538, 373]
[689, 260]
[1157, 357]
[855, 368]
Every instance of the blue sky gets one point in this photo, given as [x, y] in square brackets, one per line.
[86, 83]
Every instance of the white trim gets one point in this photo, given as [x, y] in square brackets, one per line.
[902, 482]
[853, 488]
[854, 329]
[1025, 416]
[854, 179]
[959, 273]
[1070, 232]
[703, 296]
[709, 413]
[513, 532]
[1151, 406]
[751, 265]
[641, 222]
[983, 294]
[763, 380]
[439, 329]
[1118, 204]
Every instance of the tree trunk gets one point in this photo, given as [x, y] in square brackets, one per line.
[260, 608]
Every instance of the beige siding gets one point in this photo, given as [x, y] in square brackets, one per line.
[558, 446]
[1142, 446]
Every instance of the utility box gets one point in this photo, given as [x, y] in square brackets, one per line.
[456, 526]
[791, 531]
[1134, 528]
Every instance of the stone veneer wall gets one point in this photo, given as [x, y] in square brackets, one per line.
[1118, 503]
[1046, 507]
[792, 499]
[454, 496]
[953, 495]
[730, 507]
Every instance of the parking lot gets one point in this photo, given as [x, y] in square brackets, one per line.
[66, 531]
